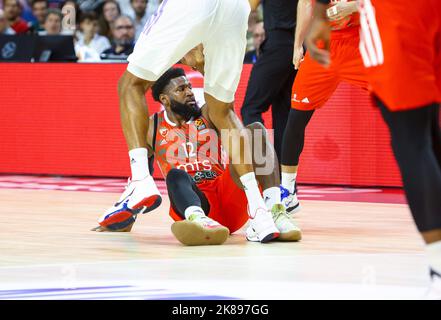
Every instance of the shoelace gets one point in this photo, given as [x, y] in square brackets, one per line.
[280, 215]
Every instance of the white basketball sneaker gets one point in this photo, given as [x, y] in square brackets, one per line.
[140, 196]
[262, 228]
[288, 230]
[290, 200]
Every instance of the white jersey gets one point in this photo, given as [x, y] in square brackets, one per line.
[180, 25]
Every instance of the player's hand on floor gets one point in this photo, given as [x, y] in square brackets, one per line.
[104, 229]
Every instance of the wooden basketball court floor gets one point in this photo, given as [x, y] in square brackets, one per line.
[349, 250]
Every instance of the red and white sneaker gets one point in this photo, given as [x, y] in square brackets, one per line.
[140, 196]
[200, 230]
[262, 227]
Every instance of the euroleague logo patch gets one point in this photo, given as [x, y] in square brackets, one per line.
[163, 132]
[200, 124]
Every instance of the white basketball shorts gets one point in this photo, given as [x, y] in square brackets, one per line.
[180, 25]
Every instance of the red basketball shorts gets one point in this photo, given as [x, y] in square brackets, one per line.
[228, 202]
[315, 84]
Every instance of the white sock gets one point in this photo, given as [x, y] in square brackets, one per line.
[193, 210]
[252, 192]
[434, 254]
[289, 181]
[271, 196]
[139, 163]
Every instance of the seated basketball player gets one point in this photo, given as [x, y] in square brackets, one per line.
[207, 199]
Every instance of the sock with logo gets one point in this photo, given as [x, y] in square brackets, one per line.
[289, 181]
[193, 210]
[139, 163]
[255, 200]
[272, 196]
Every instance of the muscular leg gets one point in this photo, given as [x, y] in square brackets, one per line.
[265, 164]
[280, 112]
[412, 143]
[134, 112]
[293, 143]
[265, 159]
[267, 173]
[133, 109]
[224, 118]
[141, 194]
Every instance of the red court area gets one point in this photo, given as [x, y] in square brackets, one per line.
[65, 122]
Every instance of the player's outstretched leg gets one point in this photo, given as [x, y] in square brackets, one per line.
[141, 194]
[196, 228]
[266, 166]
[223, 116]
[293, 143]
[413, 147]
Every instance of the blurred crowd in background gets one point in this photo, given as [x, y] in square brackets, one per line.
[101, 29]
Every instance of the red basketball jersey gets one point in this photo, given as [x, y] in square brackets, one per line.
[193, 147]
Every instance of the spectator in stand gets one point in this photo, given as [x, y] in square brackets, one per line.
[123, 31]
[4, 26]
[52, 23]
[127, 9]
[258, 38]
[55, 4]
[90, 44]
[139, 16]
[39, 10]
[89, 5]
[110, 10]
[12, 10]
[255, 17]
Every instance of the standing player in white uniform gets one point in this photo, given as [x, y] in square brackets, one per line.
[177, 27]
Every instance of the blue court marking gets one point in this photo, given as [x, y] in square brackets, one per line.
[106, 292]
